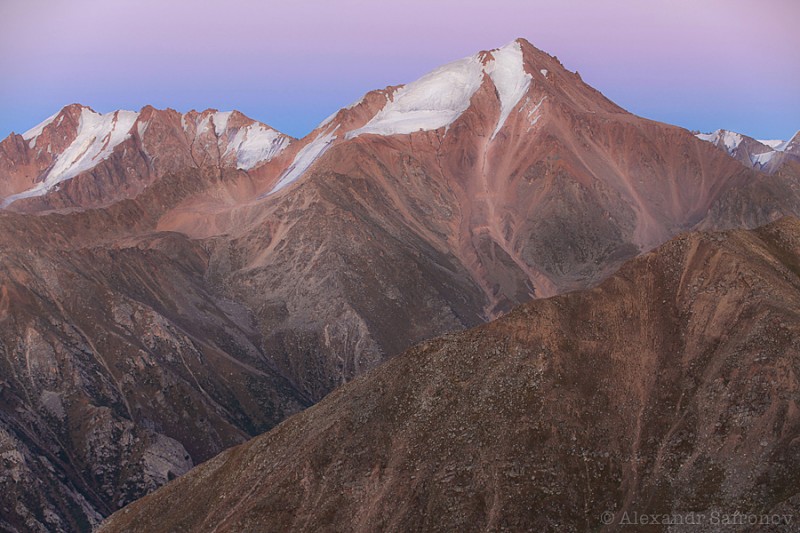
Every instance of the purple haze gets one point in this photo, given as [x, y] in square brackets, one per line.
[701, 64]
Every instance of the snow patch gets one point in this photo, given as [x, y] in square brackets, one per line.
[96, 139]
[777, 145]
[255, 144]
[304, 159]
[32, 134]
[533, 114]
[434, 101]
[438, 98]
[141, 128]
[761, 160]
[708, 137]
[728, 139]
[781, 146]
[328, 120]
[510, 79]
[731, 140]
[203, 125]
[544, 72]
[220, 119]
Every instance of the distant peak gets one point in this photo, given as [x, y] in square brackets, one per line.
[730, 140]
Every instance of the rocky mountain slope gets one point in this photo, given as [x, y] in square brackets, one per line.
[199, 277]
[670, 388]
[119, 370]
[506, 169]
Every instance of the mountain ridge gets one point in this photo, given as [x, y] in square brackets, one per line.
[520, 55]
[90, 141]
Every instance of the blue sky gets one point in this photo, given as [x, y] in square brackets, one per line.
[701, 64]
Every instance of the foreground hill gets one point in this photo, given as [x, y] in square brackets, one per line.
[672, 387]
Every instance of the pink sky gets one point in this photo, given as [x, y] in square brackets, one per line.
[701, 64]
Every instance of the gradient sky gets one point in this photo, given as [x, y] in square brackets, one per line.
[701, 64]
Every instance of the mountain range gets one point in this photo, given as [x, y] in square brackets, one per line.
[767, 156]
[174, 284]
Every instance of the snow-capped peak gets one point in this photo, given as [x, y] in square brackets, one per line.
[241, 141]
[97, 136]
[438, 98]
[764, 155]
[253, 144]
[728, 139]
[434, 101]
[249, 141]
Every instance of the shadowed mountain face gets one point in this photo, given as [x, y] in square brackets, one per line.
[119, 370]
[671, 387]
[197, 278]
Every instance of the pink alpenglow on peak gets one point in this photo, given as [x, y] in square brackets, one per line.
[96, 138]
[437, 99]
[79, 140]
